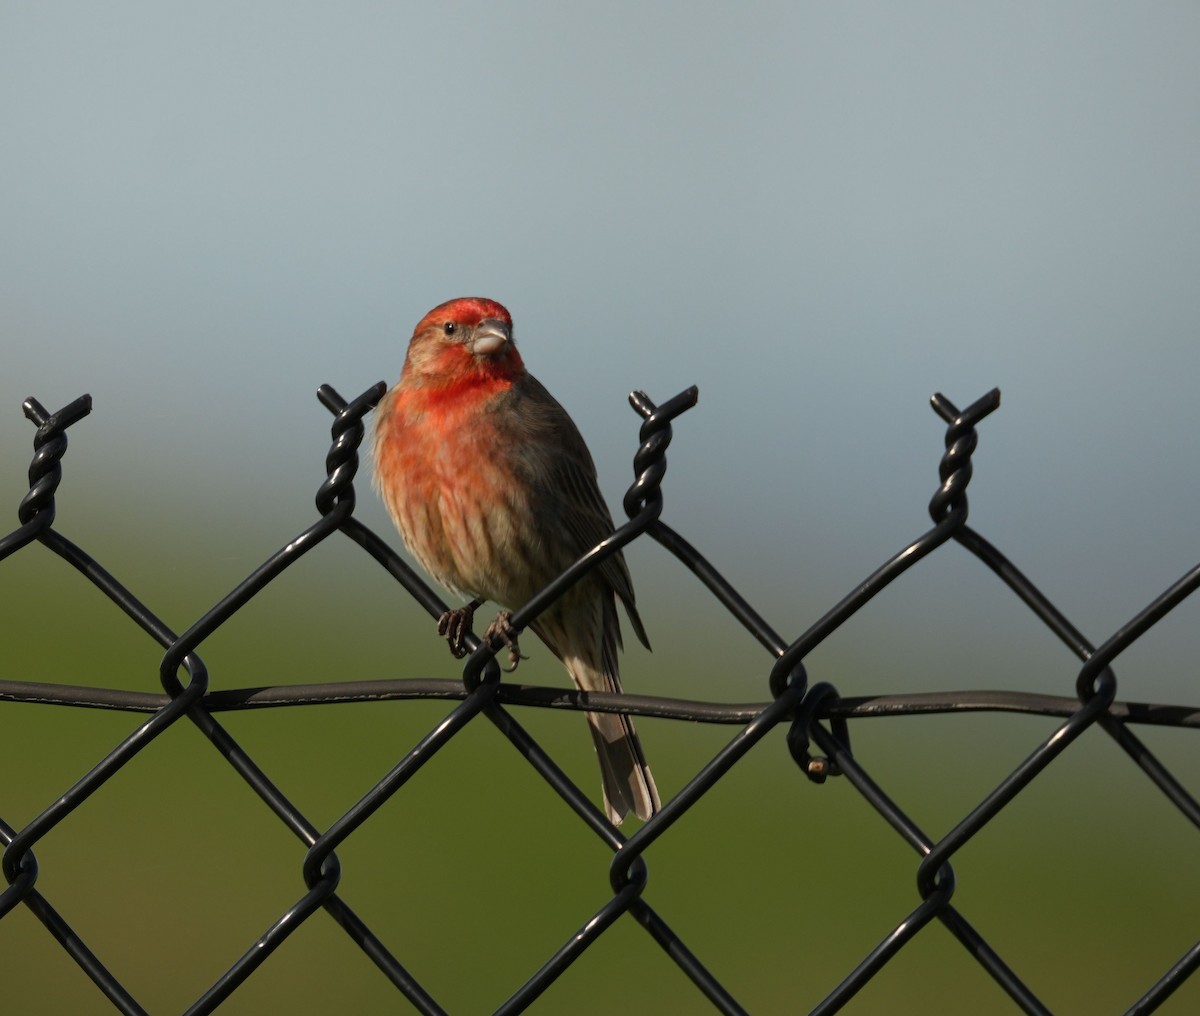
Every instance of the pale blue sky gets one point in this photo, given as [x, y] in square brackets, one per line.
[819, 213]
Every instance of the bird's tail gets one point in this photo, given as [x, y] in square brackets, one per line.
[628, 785]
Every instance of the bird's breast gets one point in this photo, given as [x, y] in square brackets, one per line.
[449, 481]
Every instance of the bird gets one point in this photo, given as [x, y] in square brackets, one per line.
[495, 494]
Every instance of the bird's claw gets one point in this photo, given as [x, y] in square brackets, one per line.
[501, 633]
[454, 625]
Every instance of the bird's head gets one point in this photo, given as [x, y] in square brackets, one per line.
[463, 340]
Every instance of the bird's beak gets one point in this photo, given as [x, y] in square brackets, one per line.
[491, 336]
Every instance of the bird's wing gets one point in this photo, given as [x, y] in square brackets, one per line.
[565, 467]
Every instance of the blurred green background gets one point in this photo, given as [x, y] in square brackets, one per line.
[820, 214]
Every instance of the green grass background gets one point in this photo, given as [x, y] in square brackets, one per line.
[474, 873]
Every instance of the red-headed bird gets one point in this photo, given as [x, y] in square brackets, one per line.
[494, 491]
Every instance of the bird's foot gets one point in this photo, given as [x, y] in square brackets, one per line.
[454, 625]
[501, 633]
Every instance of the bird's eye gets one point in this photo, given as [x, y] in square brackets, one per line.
[449, 327]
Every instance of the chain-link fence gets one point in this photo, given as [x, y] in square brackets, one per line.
[815, 719]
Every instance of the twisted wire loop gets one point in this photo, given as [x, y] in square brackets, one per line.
[961, 440]
[650, 459]
[36, 510]
[348, 431]
[811, 716]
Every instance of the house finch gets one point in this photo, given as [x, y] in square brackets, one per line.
[495, 493]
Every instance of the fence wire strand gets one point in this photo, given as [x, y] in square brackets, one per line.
[815, 719]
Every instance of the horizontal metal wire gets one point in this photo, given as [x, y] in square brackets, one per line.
[541, 697]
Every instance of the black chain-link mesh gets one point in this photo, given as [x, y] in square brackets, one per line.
[810, 715]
